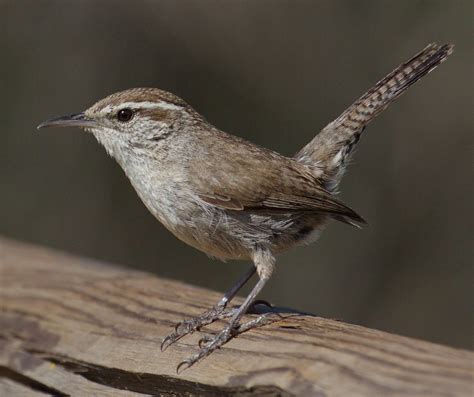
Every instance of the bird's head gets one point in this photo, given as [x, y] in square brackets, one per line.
[135, 118]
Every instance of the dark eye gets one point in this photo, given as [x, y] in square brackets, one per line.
[125, 115]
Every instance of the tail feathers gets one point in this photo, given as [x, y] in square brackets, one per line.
[328, 152]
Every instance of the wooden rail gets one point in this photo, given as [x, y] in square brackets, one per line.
[73, 326]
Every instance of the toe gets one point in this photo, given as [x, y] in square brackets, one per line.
[183, 365]
[204, 340]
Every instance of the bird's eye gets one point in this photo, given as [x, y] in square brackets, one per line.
[124, 115]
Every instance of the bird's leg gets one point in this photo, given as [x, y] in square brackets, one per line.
[218, 312]
[264, 263]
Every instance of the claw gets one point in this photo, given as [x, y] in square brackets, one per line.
[164, 345]
[174, 337]
[181, 364]
[262, 302]
[212, 344]
[205, 339]
[193, 359]
[255, 309]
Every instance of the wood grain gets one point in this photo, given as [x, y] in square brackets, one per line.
[76, 327]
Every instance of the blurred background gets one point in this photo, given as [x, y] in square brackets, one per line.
[274, 72]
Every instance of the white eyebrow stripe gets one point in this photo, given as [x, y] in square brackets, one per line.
[143, 105]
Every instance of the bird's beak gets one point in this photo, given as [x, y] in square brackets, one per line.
[73, 120]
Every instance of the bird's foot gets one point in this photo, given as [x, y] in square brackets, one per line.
[218, 312]
[186, 327]
[208, 343]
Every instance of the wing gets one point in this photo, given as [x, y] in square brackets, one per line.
[236, 175]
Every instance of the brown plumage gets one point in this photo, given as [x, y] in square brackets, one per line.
[251, 178]
[228, 197]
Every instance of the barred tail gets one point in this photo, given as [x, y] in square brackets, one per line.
[328, 152]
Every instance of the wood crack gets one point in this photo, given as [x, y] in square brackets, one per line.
[152, 384]
[33, 384]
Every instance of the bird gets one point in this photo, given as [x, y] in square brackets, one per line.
[231, 198]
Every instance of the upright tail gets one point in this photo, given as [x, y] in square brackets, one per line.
[329, 151]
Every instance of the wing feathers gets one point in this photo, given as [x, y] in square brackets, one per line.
[280, 203]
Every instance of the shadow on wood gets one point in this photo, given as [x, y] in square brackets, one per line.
[72, 326]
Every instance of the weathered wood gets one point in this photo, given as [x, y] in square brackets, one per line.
[71, 326]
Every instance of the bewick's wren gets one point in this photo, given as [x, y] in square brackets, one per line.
[228, 197]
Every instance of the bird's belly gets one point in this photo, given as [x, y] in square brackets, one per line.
[225, 234]
[206, 235]
[228, 234]
[192, 221]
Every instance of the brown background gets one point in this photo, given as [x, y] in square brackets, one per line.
[274, 72]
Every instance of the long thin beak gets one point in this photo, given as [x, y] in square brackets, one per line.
[73, 120]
